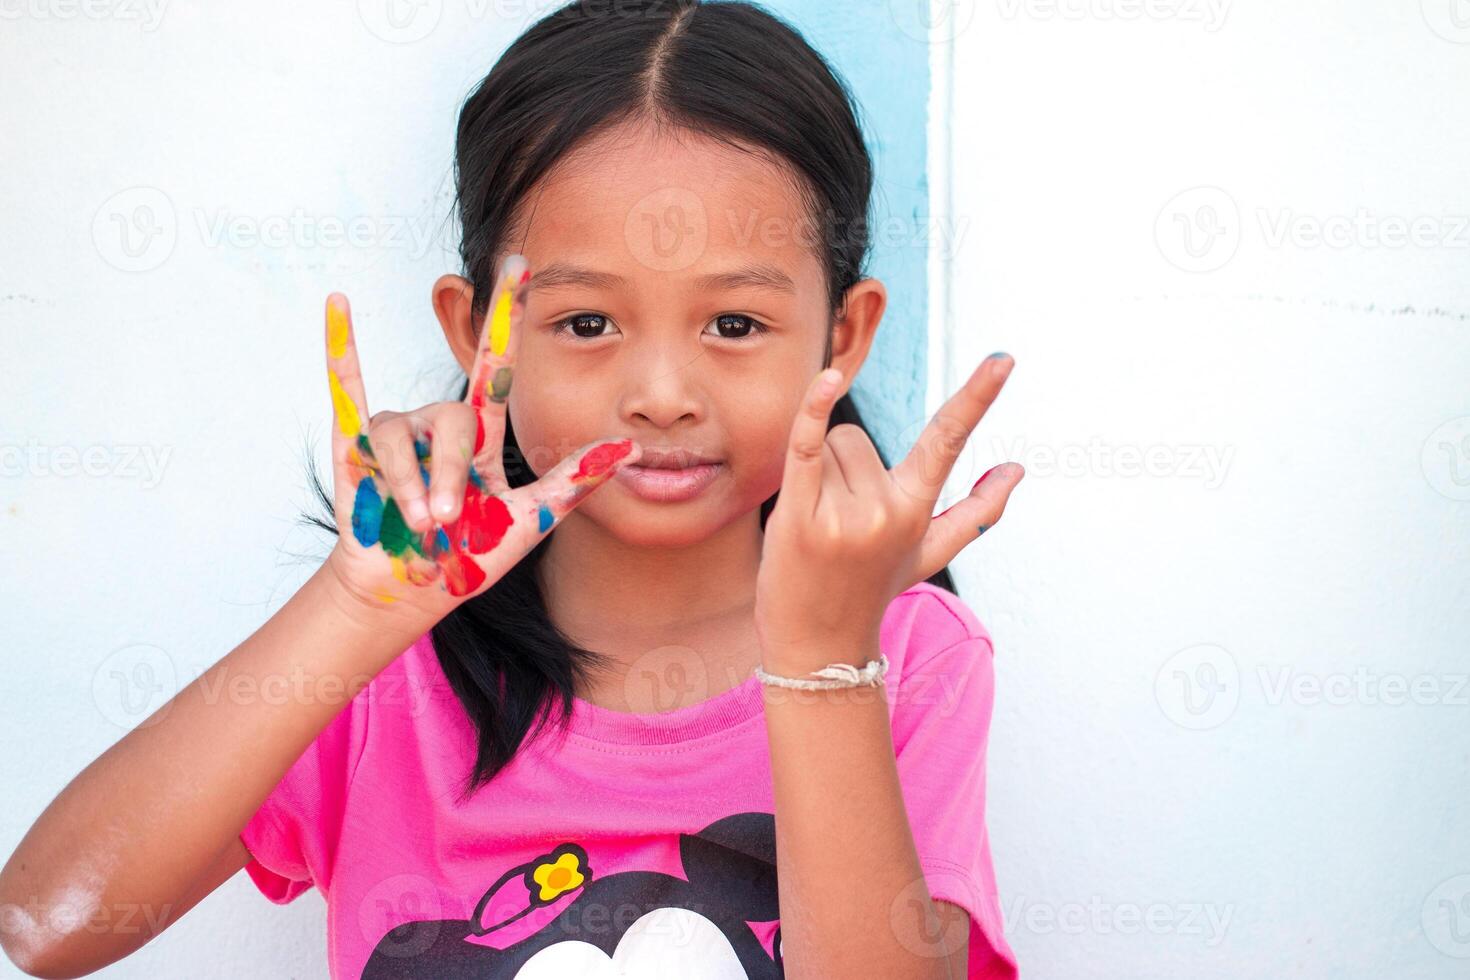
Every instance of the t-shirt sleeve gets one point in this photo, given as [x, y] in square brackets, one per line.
[292, 838]
[941, 732]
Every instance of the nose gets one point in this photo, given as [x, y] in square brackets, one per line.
[663, 388]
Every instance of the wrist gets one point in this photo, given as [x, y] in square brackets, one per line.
[358, 611]
[797, 660]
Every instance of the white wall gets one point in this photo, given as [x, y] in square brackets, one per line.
[1304, 518]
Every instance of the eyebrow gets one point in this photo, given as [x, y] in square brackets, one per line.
[760, 276]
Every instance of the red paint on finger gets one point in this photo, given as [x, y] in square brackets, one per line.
[972, 490]
[597, 463]
[479, 433]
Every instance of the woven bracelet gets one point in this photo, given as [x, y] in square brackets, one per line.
[832, 676]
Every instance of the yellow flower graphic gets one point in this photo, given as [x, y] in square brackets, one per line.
[557, 877]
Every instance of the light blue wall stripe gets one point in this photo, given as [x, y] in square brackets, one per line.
[887, 68]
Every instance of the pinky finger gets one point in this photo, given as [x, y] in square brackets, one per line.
[571, 480]
[961, 524]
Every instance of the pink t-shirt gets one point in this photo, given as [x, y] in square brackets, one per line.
[637, 845]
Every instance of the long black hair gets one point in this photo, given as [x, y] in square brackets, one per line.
[725, 69]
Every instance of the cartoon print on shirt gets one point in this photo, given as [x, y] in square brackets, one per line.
[570, 921]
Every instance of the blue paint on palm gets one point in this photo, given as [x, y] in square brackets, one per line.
[367, 514]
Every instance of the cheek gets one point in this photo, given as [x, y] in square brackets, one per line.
[545, 415]
[759, 429]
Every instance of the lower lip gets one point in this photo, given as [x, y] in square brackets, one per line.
[668, 486]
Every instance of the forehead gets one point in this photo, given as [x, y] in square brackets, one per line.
[673, 206]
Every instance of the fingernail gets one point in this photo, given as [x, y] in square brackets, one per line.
[999, 353]
[444, 503]
[418, 512]
[831, 378]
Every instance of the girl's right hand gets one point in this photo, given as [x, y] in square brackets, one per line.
[391, 468]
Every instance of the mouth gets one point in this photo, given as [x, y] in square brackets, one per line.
[672, 458]
[667, 481]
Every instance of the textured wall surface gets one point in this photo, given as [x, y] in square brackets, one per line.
[184, 183]
[1227, 244]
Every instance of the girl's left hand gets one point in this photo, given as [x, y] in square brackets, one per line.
[847, 536]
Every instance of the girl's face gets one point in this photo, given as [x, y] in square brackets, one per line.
[676, 299]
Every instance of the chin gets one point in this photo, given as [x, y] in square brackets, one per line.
[648, 525]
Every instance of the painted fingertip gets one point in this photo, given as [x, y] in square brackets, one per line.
[337, 326]
[514, 271]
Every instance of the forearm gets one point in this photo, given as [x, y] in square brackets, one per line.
[137, 828]
[853, 898]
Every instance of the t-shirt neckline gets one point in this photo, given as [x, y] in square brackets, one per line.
[712, 715]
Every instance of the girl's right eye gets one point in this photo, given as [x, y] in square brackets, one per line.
[579, 324]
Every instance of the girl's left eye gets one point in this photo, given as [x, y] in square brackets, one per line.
[753, 327]
[748, 326]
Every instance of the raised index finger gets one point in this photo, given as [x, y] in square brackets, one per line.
[352, 454]
[490, 374]
[923, 471]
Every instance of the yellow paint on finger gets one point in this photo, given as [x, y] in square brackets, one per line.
[337, 331]
[347, 418]
[385, 597]
[399, 572]
[500, 320]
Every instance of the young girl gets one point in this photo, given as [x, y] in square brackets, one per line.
[585, 696]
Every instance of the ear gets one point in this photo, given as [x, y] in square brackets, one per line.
[454, 298]
[855, 327]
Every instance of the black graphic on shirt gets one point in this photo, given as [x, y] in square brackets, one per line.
[626, 924]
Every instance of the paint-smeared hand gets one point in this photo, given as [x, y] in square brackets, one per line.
[847, 535]
[425, 513]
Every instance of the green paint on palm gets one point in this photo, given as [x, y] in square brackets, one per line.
[397, 537]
